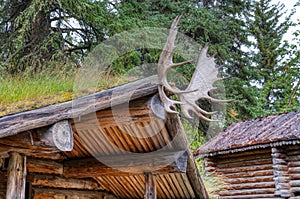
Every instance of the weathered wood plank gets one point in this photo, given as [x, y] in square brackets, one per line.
[241, 163]
[156, 163]
[195, 179]
[249, 179]
[53, 181]
[250, 174]
[266, 196]
[20, 122]
[44, 166]
[246, 168]
[150, 186]
[40, 193]
[253, 185]
[248, 192]
[16, 179]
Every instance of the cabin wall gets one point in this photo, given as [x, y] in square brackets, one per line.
[262, 173]
[246, 174]
[293, 153]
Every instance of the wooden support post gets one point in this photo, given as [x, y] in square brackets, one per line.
[150, 188]
[16, 179]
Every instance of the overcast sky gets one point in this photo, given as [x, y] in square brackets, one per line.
[289, 5]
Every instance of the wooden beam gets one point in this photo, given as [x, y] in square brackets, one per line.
[157, 163]
[44, 166]
[41, 193]
[59, 135]
[21, 122]
[29, 143]
[16, 176]
[195, 179]
[52, 181]
[150, 186]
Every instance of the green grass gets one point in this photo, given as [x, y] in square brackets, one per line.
[19, 92]
[25, 92]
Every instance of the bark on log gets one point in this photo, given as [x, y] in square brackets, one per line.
[16, 176]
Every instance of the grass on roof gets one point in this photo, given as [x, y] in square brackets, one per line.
[22, 92]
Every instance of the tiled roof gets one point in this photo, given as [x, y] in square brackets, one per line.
[255, 133]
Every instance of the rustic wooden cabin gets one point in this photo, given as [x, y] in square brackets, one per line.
[258, 158]
[104, 145]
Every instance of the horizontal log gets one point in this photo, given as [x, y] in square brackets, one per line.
[293, 148]
[282, 179]
[247, 192]
[269, 196]
[135, 111]
[245, 154]
[157, 163]
[60, 182]
[61, 193]
[281, 168]
[44, 166]
[249, 179]
[250, 174]
[295, 189]
[248, 157]
[294, 176]
[254, 185]
[294, 170]
[294, 158]
[30, 144]
[294, 164]
[21, 122]
[295, 183]
[246, 168]
[246, 163]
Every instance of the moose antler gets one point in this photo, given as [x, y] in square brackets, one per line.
[202, 81]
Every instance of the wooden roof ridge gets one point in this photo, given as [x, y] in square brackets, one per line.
[278, 129]
[19, 122]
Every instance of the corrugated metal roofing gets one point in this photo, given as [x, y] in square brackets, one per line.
[255, 133]
[130, 128]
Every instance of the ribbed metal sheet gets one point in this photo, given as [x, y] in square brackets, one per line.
[168, 186]
[255, 133]
[108, 133]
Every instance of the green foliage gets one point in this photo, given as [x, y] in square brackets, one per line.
[273, 70]
[264, 79]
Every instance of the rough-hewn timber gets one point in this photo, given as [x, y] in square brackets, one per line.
[150, 186]
[157, 163]
[16, 176]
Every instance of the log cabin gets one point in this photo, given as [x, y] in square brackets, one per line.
[258, 158]
[101, 146]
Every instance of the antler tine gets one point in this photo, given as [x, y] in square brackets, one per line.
[165, 61]
[217, 100]
[205, 75]
[186, 113]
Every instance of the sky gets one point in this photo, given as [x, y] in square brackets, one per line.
[289, 5]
